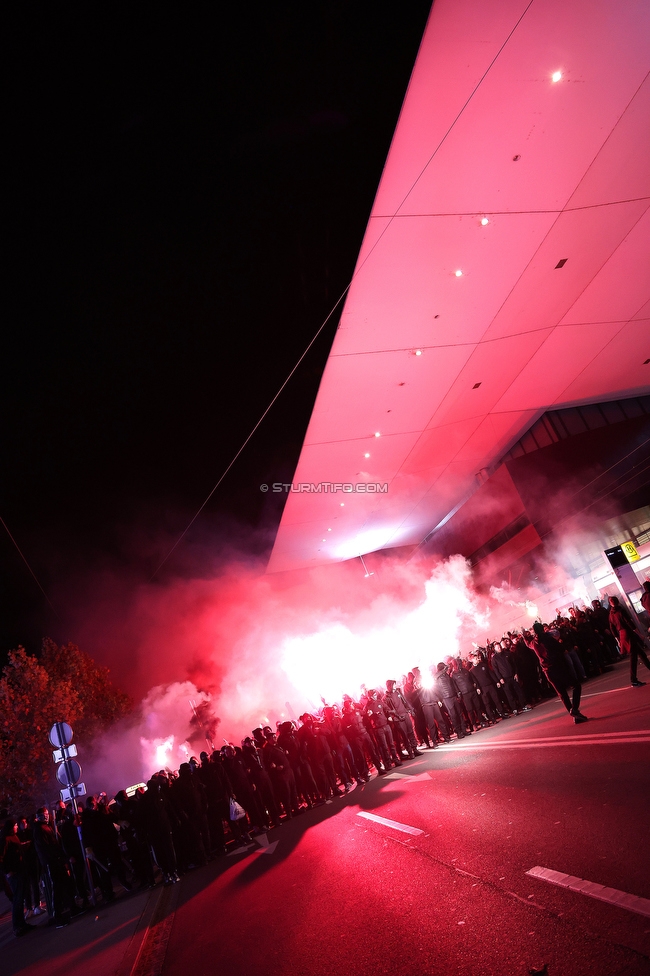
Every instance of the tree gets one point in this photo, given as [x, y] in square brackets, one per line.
[102, 704]
[64, 685]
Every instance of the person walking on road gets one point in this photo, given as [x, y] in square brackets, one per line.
[550, 654]
[620, 624]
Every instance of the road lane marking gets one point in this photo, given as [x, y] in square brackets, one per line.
[611, 895]
[577, 739]
[265, 847]
[405, 829]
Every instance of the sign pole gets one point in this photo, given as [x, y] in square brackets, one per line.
[68, 774]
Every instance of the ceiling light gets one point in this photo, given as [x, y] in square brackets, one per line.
[484, 221]
[377, 434]
[329, 530]
[458, 273]
[366, 454]
[418, 352]
[556, 76]
[342, 504]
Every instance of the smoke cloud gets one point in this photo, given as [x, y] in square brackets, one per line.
[244, 649]
[213, 656]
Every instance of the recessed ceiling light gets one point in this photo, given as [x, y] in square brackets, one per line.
[484, 221]
[366, 454]
[458, 273]
[377, 434]
[329, 530]
[556, 76]
[418, 352]
[342, 504]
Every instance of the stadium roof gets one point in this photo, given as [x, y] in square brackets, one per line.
[505, 269]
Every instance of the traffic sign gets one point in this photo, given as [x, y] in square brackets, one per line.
[67, 753]
[72, 792]
[630, 551]
[60, 735]
[69, 772]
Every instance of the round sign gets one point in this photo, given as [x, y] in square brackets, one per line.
[60, 735]
[69, 772]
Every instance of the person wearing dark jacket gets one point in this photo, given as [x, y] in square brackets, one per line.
[95, 827]
[447, 692]
[296, 753]
[620, 624]
[467, 685]
[377, 715]
[503, 666]
[486, 685]
[343, 755]
[360, 739]
[125, 813]
[550, 654]
[260, 780]
[434, 720]
[58, 887]
[402, 722]
[190, 803]
[279, 769]
[32, 887]
[15, 871]
[526, 667]
[411, 689]
[157, 817]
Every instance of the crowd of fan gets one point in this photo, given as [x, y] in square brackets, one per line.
[66, 860]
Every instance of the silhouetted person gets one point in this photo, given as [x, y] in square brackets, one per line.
[551, 658]
[620, 624]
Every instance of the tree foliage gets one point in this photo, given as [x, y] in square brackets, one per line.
[66, 685]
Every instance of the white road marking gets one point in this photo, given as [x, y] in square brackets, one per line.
[611, 895]
[577, 739]
[405, 829]
[597, 694]
[241, 850]
[266, 848]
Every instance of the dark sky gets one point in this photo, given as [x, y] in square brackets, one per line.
[187, 196]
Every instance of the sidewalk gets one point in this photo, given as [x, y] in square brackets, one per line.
[104, 942]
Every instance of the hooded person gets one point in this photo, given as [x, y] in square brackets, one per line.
[15, 871]
[550, 654]
[621, 625]
[401, 717]
[445, 688]
[377, 714]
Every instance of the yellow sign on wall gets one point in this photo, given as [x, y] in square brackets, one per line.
[630, 551]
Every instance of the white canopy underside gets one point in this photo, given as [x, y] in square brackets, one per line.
[561, 171]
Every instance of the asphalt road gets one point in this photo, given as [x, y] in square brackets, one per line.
[445, 888]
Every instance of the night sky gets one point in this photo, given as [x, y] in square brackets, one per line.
[187, 195]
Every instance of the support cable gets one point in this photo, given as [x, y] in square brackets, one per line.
[33, 574]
